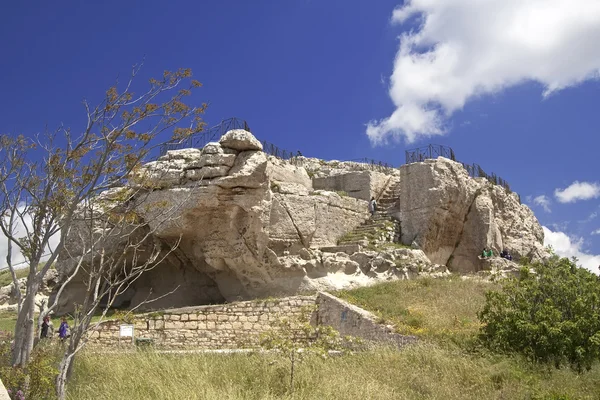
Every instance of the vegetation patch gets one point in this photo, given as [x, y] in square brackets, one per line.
[425, 371]
[443, 310]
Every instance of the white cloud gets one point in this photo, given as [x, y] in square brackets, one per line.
[592, 217]
[596, 232]
[468, 48]
[17, 258]
[578, 191]
[543, 201]
[566, 246]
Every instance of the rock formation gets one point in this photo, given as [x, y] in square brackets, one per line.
[252, 225]
[8, 293]
[452, 216]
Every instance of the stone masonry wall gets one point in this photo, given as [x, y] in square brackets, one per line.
[361, 185]
[231, 325]
[350, 320]
[239, 325]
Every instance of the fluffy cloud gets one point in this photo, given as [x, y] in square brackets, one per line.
[544, 202]
[578, 191]
[467, 48]
[566, 246]
[596, 232]
[17, 258]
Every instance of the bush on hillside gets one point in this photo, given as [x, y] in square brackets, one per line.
[550, 314]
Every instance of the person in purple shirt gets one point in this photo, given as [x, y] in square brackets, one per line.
[63, 330]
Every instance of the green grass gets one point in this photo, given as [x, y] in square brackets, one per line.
[425, 371]
[441, 309]
[6, 277]
[8, 320]
[442, 312]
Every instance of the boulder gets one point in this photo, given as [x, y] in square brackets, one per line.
[216, 148]
[187, 155]
[453, 217]
[240, 140]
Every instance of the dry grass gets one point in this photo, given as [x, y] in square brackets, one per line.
[420, 372]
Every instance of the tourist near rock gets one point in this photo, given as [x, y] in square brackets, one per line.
[252, 225]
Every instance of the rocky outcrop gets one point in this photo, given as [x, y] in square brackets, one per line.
[237, 211]
[8, 293]
[251, 225]
[360, 184]
[452, 216]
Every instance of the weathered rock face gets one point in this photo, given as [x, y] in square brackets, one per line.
[250, 225]
[8, 293]
[452, 216]
[238, 210]
[360, 184]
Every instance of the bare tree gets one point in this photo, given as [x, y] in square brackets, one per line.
[113, 243]
[43, 180]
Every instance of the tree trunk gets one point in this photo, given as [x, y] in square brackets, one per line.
[25, 328]
[65, 368]
[63, 372]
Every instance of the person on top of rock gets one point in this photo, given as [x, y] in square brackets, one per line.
[373, 206]
[486, 253]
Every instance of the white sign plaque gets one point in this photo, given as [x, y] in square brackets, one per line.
[126, 331]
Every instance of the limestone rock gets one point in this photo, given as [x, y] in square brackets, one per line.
[498, 267]
[248, 171]
[207, 172]
[241, 140]
[216, 148]
[312, 220]
[158, 175]
[251, 225]
[217, 160]
[453, 217]
[187, 155]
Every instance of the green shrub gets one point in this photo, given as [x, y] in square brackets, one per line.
[551, 315]
[37, 380]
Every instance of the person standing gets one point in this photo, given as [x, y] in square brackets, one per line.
[63, 330]
[373, 206]
[46, 328]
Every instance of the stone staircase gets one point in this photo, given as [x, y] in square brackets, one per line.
[379, 228]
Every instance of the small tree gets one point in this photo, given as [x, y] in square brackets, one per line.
[114, 242]
[296, 338]
[43, 180]
[550, 314]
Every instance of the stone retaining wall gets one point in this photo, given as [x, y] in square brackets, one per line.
[239, 325]
[350, 320]
[230, 325]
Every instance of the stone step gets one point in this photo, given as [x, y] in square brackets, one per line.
[345, 248]
[354, 242]
[374, 224]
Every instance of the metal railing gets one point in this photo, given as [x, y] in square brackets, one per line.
[476, 171]
[434, 151]
[429, 152]
[275, 151]
[373, 165]
[200, 139]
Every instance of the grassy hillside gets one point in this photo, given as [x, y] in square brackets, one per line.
[438, 309]
[421, 372]
[445, 365]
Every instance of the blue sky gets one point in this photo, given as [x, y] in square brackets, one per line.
[511, 85]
